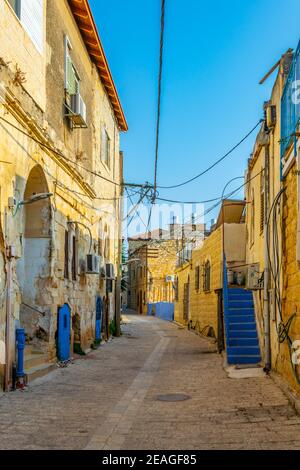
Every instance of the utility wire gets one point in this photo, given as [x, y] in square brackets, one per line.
[59, 154]
[161, 50]
[216, 162]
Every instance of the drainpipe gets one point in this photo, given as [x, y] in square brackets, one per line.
[8, 319]
[267, 332]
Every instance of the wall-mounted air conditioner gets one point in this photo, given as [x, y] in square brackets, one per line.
[254, 277]
[170, 278]
[110, 271]
[92, 264]
[78, 111]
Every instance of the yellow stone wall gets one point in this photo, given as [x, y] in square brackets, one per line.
[291, 275]
[203, 305]
[151, 279]
[36, 107]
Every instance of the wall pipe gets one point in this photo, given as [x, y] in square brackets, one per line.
[267, 332]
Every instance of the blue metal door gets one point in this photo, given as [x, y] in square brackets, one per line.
[64, 333]
[99, 312]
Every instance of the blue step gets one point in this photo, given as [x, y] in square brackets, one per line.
[238, 290]
[242, 326]
[243, 334]
[242, 341]
[240, 319]
[234, 296]
[240, 311]
[243, 359]
[241, 304]
[243, 351]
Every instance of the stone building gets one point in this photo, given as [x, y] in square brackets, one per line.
[199, 281]
[153, 257]
[60, 179]
[151, 268]
[273, 225]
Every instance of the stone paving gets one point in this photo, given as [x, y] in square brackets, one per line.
[108, 400]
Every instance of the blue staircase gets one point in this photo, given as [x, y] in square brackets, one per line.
[242, 345]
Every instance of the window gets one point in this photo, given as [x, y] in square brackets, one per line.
[66, 270]
[206, 277]
[74, 258]
[262, 202]
[197, 278]
[105, 147]
[30, 14]
[72, 81]
[176, 288]
[16, 6]
[252, 220]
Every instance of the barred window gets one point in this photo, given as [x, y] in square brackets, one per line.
[197, 278]
[206, 277]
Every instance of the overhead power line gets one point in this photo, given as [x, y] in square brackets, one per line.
[59, 154]
[216, 162]
[161, 50]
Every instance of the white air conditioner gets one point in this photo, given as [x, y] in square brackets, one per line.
[110, 271]
[170, 278]
[254, 277]
[92, 264]
[78, 111]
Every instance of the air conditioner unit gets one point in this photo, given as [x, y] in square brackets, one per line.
[170, 278]
[271, 116]
[92, 264]
[78, 111]
[254, 277]
[110, 271]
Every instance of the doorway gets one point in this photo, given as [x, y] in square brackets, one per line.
[34, 266]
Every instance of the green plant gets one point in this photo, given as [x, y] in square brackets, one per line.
[112, 328]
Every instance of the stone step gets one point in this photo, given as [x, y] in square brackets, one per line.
[39, 371]
[34, 359]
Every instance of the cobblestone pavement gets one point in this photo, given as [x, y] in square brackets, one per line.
[108, 400]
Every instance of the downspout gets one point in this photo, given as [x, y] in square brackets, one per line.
[267, 332]
[8, 320]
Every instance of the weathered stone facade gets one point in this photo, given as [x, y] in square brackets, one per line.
[152, 262]
[260, 223]
[205, 299]
[44, 153]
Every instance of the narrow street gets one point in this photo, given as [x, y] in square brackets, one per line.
[109, 399]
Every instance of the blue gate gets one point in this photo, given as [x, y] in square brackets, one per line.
[64, 333]
[99, 312]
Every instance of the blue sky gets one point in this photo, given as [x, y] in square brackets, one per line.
[215, 54]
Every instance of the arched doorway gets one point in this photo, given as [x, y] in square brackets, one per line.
[34, 266]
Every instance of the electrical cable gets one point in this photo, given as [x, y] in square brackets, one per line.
[161, 50]
[216, 162]
[59, 154]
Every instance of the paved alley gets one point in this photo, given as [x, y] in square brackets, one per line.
[109, 400]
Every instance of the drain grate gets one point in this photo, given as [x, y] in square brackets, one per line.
[173, 397]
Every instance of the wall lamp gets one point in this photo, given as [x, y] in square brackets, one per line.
[32, 199]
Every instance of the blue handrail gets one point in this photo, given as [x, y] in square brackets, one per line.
[225, 295]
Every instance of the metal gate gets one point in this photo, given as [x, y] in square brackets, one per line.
[99, 313]
[64, 333]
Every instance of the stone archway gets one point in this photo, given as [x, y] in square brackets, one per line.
[34, 266]
[2, 306]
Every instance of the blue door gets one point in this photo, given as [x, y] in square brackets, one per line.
[99, 310]
[64, 333]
